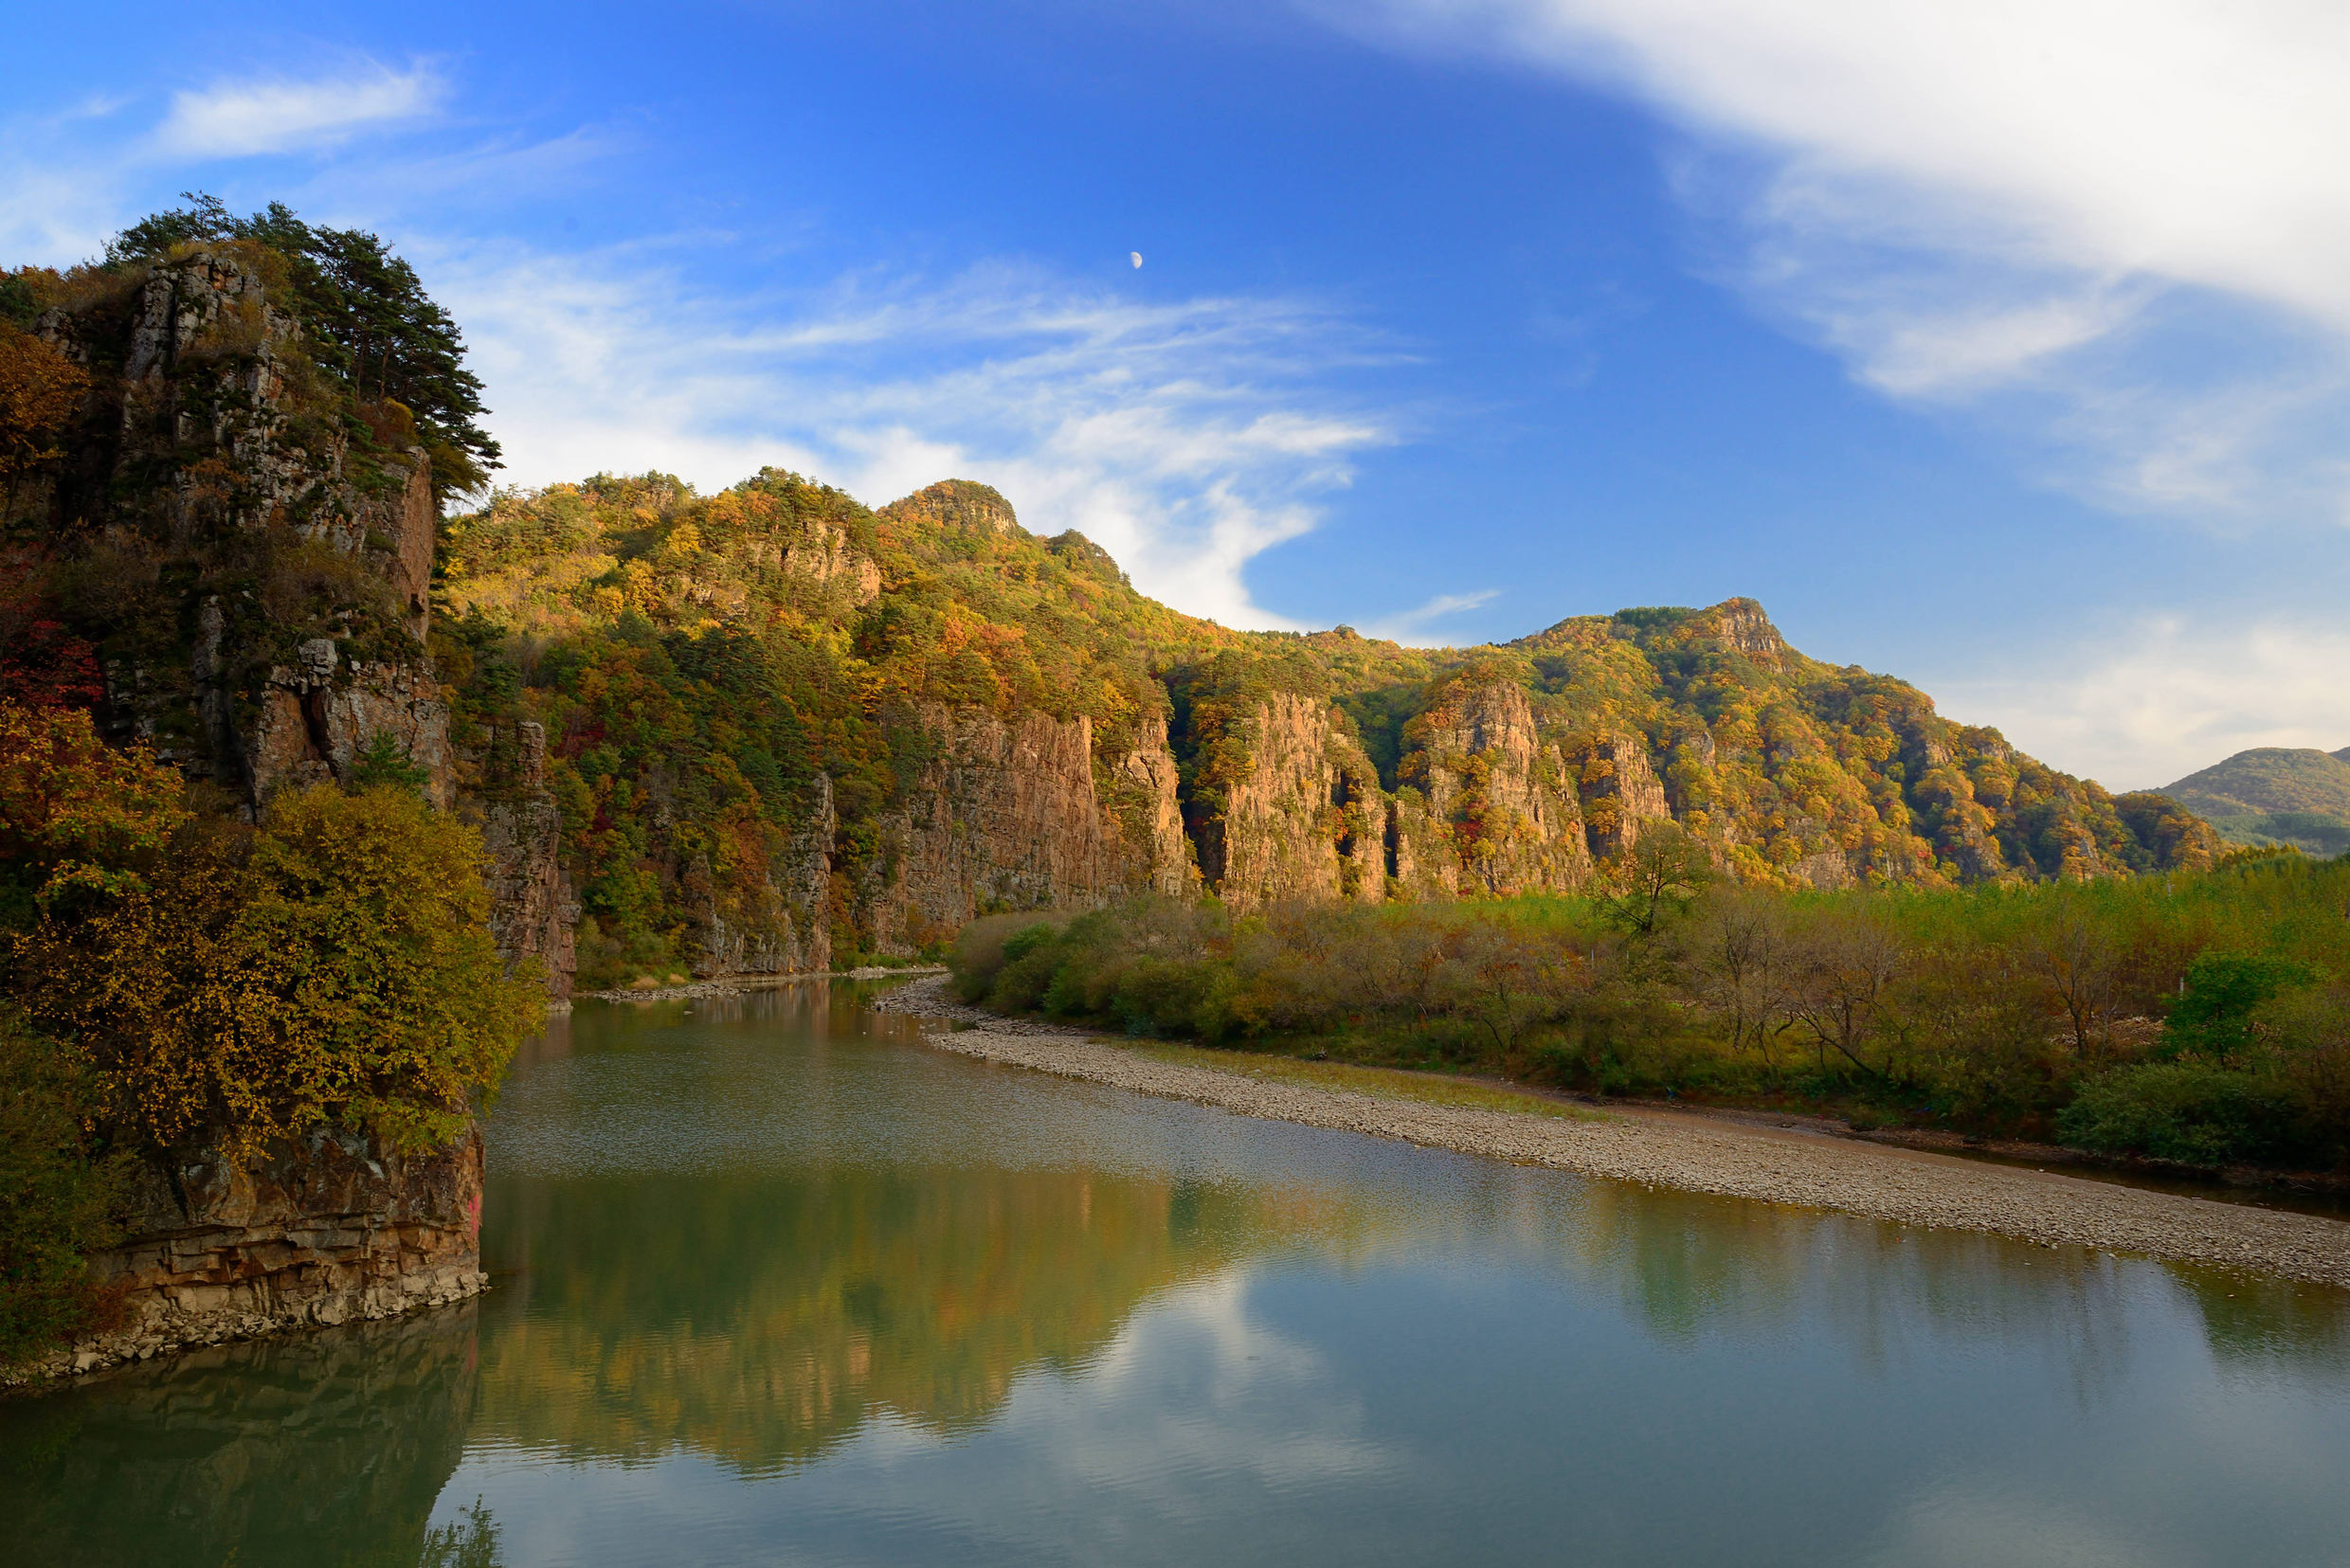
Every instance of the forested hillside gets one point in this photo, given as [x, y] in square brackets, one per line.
[2275, 795]
[923, 712]
[752, 729]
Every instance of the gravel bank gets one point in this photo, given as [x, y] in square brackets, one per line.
[727, 984]
[1700, 1154]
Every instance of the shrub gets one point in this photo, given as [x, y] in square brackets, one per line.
[977, 950]
[58, 1193]
[332, 965]
[2190, 1111]
[1030, 957]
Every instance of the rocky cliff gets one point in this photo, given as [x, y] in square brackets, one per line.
[757, 730]
[247, 550]
[925, 712]
[328, 1228]
[1008, 814]
[1288, 806]
[1498, 809]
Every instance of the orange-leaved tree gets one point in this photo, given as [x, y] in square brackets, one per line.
[40, 390]
[76, 813]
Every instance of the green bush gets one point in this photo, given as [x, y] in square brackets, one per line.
[1030, 957]
[977, 950]
[2214, 1014]
[58, 1194]
[2188, 1110]
[1986, 1009]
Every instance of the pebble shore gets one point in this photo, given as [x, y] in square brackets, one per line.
[728, 985]
[1694, 1153]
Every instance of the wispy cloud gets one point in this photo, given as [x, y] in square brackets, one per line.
[69, 178]
[2091, 219]
[1410, 627]
[289, 115]
[1185, 437]
[2160, 699]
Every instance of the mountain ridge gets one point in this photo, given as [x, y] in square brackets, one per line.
[971, 663]
[751, 729]
[2273, 794]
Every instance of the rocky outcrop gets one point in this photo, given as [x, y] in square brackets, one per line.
[533, 913]
[318, 716]
[1619, 789]
[330, 1228]
[956, 506]
[1295, 810]
[1140, 793]
[1498, 810]
[823, 558]
[1009, 813]
[215, 454]
[782, 925]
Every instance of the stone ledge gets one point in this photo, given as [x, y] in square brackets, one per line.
[326, 1229]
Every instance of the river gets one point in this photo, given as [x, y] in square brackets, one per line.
[776, 1284]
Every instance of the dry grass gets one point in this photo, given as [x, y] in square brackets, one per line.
[1385, 1083]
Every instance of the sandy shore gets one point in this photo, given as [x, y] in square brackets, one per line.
[1702, 1154]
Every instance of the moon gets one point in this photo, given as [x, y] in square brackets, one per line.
[1136, 257]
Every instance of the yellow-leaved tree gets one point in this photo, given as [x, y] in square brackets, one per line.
[229, 985]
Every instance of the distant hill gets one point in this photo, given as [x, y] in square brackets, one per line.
[2275, 794]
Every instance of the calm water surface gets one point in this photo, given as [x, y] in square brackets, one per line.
[776, 1285]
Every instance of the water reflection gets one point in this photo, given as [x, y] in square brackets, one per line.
[760, 1319]
[324, 1448]
[776, 1281]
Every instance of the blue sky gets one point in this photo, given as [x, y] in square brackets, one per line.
[2002, 347]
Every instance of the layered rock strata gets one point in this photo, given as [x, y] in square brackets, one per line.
[330, 1228]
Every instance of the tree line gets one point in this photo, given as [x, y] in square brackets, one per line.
[2199, 1017]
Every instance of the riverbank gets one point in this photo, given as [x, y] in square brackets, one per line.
[723, 984]
[1693, 1153]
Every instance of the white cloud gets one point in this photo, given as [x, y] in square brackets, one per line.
[241, 118]
[71, 178]
[2126, 209]
[1183, 438]
[1410, 627]
[2168, 697]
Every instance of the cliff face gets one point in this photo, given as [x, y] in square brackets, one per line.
[1001, 722]
[1498, 811]
[532, 911]
[249, 553]
[1291, 806]
[1011, 814]
[326, 1229]
[260, 582]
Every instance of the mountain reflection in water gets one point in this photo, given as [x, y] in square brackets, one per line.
[775, 1282]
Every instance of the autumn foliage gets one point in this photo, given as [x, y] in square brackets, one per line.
[40, 390]
[230, 984]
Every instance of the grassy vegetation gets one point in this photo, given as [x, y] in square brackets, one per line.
[1383, 1082]
[2199, 1017]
